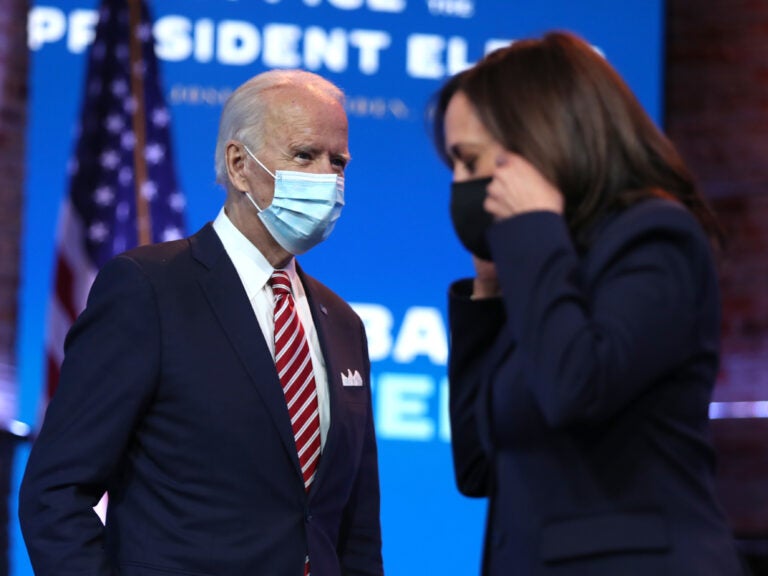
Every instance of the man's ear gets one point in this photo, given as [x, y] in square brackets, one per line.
[235, 157]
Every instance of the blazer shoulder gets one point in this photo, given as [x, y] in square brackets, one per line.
[161, 252]
[655, 215]
[655, 224]
[649, 221]
[169, 256]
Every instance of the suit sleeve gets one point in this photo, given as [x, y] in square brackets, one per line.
[360, 538]
[107, 378]
[586, 352]
[474, 327]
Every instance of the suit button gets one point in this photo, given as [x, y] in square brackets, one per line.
[307, 516]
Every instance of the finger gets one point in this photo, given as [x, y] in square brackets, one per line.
[497, 207]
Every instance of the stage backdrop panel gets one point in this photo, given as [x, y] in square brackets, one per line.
[392, 254]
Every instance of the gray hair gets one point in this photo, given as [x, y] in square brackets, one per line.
[243, 115]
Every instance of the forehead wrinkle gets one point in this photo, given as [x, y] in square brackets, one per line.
[300, 118]
[289, 131]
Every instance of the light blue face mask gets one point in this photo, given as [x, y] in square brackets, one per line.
[304, 209]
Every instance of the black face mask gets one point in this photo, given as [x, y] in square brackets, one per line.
[470, 220]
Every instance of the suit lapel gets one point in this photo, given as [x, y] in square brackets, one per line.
[321, 316]
[226, 296]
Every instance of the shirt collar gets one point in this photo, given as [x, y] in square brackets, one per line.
[246, 257]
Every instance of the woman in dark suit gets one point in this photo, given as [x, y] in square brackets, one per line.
[584, 351]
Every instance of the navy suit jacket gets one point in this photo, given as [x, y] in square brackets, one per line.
[169, 400]
[579, 399]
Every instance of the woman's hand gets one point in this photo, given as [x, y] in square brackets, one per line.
[519, 187]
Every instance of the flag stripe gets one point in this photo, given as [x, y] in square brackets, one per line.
[98, 218]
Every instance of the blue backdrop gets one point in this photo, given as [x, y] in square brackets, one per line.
[389, 56]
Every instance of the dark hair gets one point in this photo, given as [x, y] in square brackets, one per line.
[560, 104]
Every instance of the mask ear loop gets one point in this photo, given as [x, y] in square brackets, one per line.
[259, 162]
[248, 194]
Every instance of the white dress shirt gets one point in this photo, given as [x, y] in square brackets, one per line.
[254, 271]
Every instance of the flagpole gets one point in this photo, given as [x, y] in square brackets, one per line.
[94, 224]
[143, 217]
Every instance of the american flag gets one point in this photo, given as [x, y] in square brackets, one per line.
[122, 181]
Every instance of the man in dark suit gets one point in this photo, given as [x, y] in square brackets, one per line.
[170, 400]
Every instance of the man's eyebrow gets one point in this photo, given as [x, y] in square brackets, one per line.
[314, 150]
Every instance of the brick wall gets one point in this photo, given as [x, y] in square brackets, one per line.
[13, 115]
[717, 114]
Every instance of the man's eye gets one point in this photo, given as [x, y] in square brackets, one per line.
[303, 156]
[340, 162]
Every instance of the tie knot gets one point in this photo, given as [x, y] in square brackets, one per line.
[280, 282]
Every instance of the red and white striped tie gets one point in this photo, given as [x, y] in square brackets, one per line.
[294, 367]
